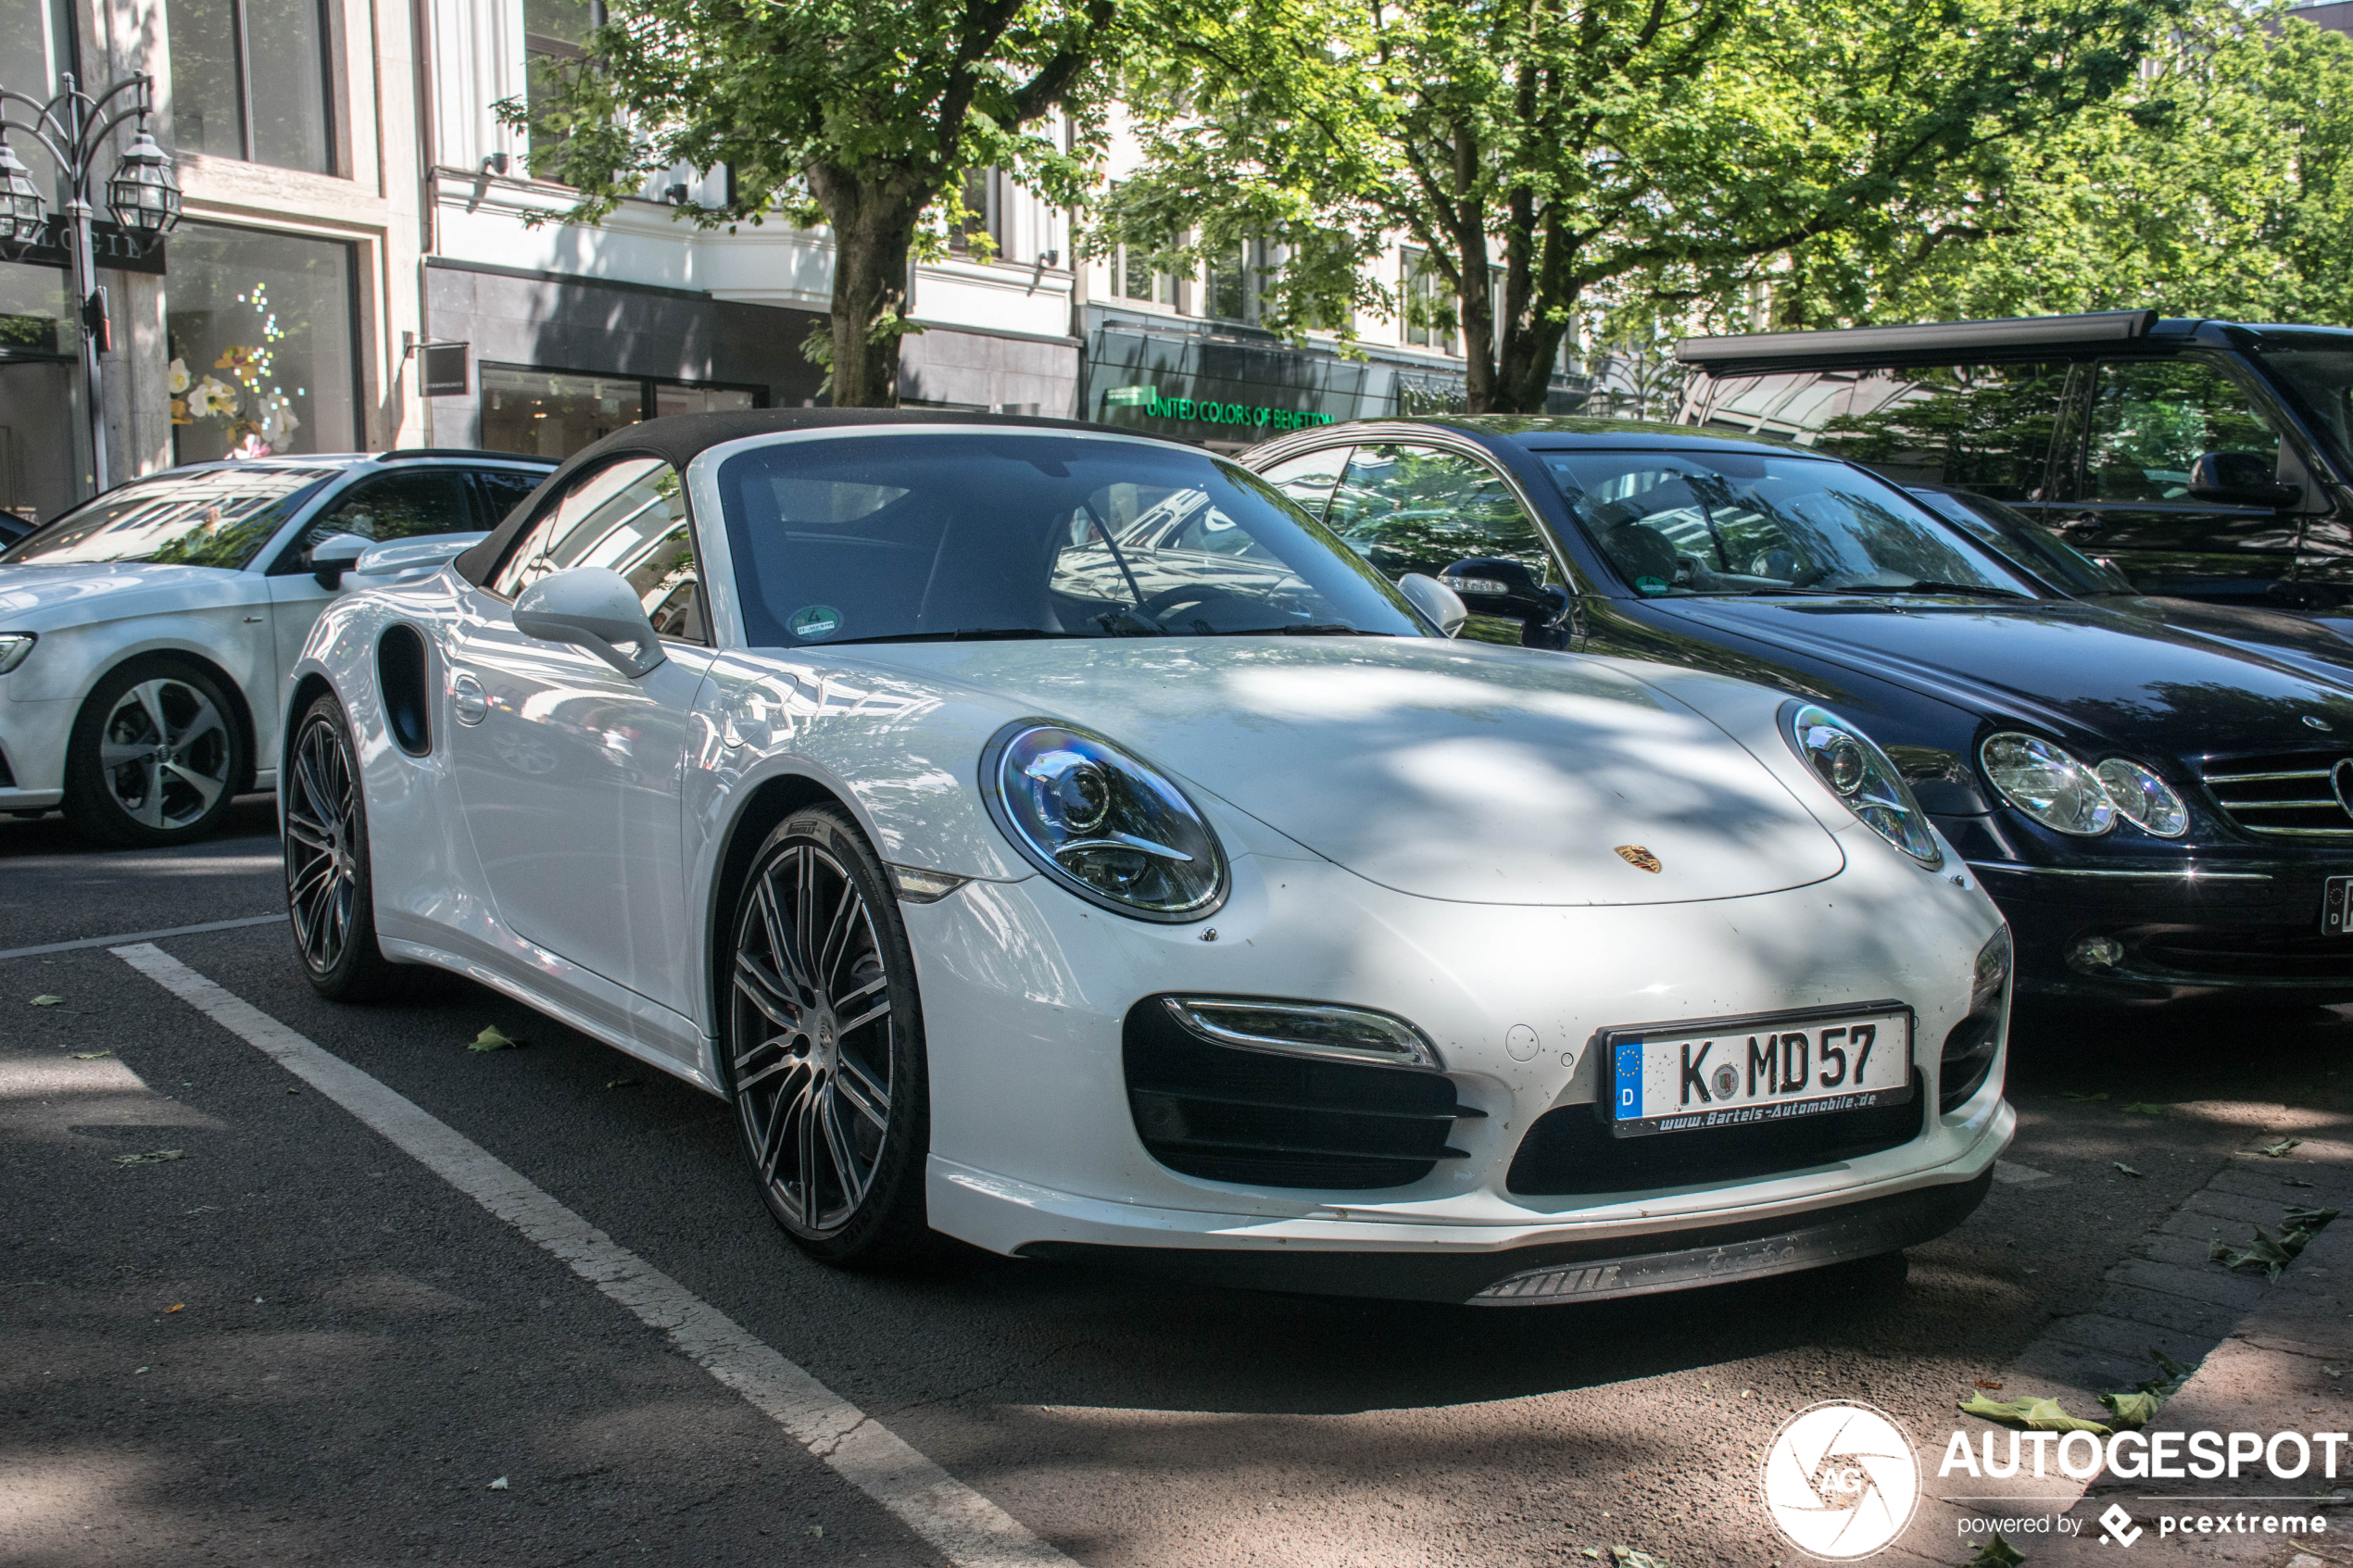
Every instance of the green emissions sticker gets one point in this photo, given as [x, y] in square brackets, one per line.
[815, 620]
[1649, 587]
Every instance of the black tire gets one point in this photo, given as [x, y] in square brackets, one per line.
[841, 1173]
[156, 755]
[329, 890]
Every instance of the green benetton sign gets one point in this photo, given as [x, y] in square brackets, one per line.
[1203, 410]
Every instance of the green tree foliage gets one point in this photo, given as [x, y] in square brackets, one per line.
[864, 115]
[2219, 182]
[1541, 150]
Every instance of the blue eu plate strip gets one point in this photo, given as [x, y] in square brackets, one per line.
[1629, 1081]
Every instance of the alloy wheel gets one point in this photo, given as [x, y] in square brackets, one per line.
[323, 865]
[165, 753]
[811, 1045]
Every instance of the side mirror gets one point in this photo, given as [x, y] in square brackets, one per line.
[1500, 587]
[1442, 605]
[332, 556]
[414, 557]
[594, 607]
[2240, 479]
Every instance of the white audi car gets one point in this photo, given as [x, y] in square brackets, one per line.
[1053, 839]
[145, 635]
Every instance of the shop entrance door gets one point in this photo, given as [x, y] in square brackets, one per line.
[41, 437]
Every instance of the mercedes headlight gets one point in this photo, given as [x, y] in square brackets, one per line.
[2048, 784]
[1103, 824]
[14, 645]
[2147, 801]
[1858, 773]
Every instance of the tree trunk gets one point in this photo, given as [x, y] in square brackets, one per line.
[874, 225]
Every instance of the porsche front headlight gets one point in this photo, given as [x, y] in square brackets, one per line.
[2048, 784]
[2147, 801]
[1108, 827]
[1858, 773]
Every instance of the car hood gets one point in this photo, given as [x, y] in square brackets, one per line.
[2077, 669]
[37, 598]
[1446, 770]
[2314, 647]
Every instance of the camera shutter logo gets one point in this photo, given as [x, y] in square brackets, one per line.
[1840, 1481]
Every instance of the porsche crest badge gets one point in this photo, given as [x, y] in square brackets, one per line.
[1638, 857]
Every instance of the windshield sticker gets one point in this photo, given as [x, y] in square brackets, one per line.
[815, 620]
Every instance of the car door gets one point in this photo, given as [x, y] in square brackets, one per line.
[1406, 507]
[568, 771]
[402, 504]
[2128, 484]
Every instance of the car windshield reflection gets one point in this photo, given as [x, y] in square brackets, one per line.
[216, 518]
[937, 536]
[1685, 523]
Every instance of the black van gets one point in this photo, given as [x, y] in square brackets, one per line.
[2204, 459]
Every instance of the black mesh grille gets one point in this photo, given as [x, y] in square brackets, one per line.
[2286, 796]
[1571, 1149]
[2244, 952]
[1244, 1116]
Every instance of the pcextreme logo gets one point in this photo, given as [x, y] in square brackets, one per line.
[1840, 1481]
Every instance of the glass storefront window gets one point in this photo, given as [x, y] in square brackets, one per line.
[262, 342]
[555, 413]
[249, 81]
[43, 442]
[35, 39]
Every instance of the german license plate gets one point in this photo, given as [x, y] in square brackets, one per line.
[1735, 1072]
[2336, 907]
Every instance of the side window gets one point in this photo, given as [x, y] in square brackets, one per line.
[630, 517]
[1987, 427]
[1413, 508]
[2152, 418]
[502, 490]
[1307, 480]
[392, 506]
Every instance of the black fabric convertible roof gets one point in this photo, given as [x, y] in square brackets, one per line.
[677, 439]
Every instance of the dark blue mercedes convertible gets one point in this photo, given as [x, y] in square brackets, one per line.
[2160, 813]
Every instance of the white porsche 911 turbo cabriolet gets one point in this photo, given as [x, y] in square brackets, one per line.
[1052, 838]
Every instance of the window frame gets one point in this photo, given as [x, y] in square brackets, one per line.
[330, 96]
[2086, 402]
[289, 561]
[648, 397]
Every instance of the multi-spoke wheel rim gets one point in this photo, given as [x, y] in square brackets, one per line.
[322, 859]
[811, 1038]
[165, 753]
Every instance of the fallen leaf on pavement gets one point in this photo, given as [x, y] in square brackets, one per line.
[1996, 1554]
[153, 1157]
[2333, 1371]
[2074, 1095]
[46, 1001]
[2270, 1254]
[492, 1039]
[1627, 1557]
[2282, 1148]
[498, 1485]
[2292, 1182]
[175, 1307]
[623, 1083]
[1988, 1383]
[2144, 1108]
[90, 1056]
[2132, 1411]
[2127, 1169]
[2034, 1415]
[1593, 1551]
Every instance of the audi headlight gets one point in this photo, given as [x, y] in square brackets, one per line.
[2047, 783]
[1103, 824]
[2147, 801]
[1858, 773]
[14, 645]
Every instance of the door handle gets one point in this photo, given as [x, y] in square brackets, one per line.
[468, 700]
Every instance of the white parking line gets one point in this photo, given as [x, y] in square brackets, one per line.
[966, 1528]
[121, 937]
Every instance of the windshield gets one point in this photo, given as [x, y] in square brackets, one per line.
[1676, 524]
[899, 537]
[219, 517]
[2319, 381]
[2012, 534]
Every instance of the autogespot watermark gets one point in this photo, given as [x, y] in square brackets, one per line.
[1840, 1481]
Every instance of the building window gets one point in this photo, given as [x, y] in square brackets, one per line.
[43, 446]
[1133, 278]
[556, 413]
[555, 34]
[262, 337]
[1232, 282]
[37, 45]
[981, 230]
[249, 81]
[1429, 304]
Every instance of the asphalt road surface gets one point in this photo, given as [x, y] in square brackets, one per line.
[297, 1342]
